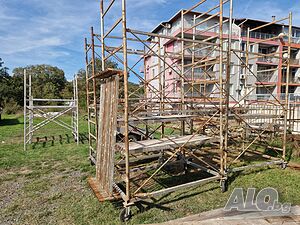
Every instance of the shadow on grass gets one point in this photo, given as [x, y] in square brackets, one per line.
[234, 175]
[164, 200]
[9, 122]
[52, 140]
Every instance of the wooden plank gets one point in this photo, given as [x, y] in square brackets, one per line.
[165, 143]
[108, 73]
[107, 134]
[155, 119]
[101, 196]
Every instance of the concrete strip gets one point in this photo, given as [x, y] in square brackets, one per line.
[220, 217]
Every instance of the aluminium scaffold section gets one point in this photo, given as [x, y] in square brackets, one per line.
[49, 110]
[173, 126]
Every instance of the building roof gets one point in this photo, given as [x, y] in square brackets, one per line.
[178, 15]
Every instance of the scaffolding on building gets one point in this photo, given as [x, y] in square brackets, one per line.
[196, 132]
[48, 111]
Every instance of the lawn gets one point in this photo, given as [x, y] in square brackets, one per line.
[47, 184]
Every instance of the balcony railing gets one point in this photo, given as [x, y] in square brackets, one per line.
[200, 52]
[266, 77]
[258, 35]
[296, 40]
[292, 79]
[272, 97]
[267, 59]
[209, 75]
[294, 61]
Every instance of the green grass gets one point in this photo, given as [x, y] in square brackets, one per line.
[47, 184]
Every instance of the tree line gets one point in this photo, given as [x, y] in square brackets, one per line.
[47, 81]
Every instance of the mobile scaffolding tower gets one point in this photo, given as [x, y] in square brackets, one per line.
[128, 170]
[262, 119]
[50, 111]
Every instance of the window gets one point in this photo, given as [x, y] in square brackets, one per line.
[251, 67]
[231, 89]
[176, 47]
[243, 46]
[174, 88]
[231, 68]
[155, 59]
[263, 50]
[202, 88]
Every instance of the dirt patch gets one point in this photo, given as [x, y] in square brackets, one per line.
[27, 197]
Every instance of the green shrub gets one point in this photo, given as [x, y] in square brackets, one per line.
[11, 107]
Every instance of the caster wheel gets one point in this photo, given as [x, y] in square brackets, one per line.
[92, 163]
[125, 214]
[160, 161]
[224, 185]
[283, 165]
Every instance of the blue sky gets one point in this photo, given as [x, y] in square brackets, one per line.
[52, 32]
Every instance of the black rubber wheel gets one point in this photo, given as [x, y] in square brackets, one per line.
[92, 162]
[125, 214]
[133, 138]
[283, 165]
[224, 185]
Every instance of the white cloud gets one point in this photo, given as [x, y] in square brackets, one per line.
[36, 31]
[264, 10]
[42, 31]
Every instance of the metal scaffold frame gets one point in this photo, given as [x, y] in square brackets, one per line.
[126, 169]
[272, 113]
[33, 108]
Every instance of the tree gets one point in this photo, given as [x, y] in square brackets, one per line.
[81, 75]
[47, 82]
[5, 84]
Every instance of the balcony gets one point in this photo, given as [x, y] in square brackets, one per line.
[266, 77]
[267, 59]
[272, 97]
[258, 35]
[294, 61]
[292, 79]
[200, 52]
[296, 40]
[209, 75]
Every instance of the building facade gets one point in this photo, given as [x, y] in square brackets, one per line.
[264, 77]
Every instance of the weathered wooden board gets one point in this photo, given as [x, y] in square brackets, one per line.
[165, 143]
[107, 133]
[156, 119]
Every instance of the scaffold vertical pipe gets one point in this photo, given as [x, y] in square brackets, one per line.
[25, 109]
[227, 91]
[193, 53]
[87, 87]
[93, 63]
[126, 110]
[182, 71]
[102, 35]
[30, 108]
[221, 95]
[286, 103]
[76, 110]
